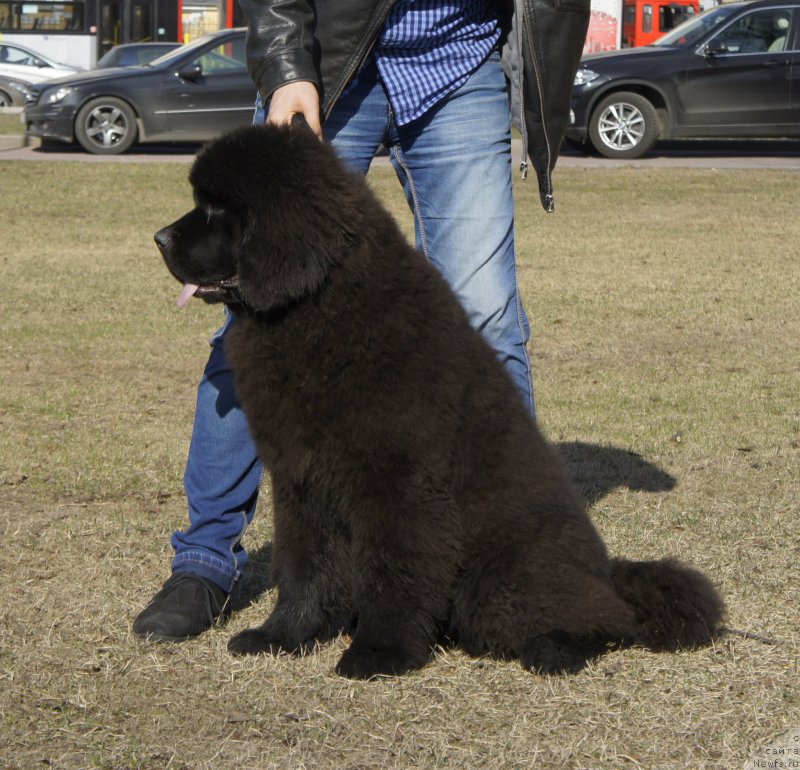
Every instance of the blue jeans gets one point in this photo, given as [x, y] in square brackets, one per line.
[455, 166]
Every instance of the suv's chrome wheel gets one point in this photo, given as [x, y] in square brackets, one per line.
[624, 125]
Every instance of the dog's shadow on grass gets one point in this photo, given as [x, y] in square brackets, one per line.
[596, 471]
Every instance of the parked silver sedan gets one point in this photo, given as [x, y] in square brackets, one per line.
[13, 91]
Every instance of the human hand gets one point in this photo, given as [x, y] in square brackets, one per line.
[297, 98]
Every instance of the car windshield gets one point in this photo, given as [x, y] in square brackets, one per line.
[180, 52]
[691, 31]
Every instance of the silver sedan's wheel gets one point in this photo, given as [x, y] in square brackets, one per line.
[5, 100]
[624, 125]
[106, 126]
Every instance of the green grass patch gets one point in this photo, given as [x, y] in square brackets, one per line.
[10, 123]
[666, 349]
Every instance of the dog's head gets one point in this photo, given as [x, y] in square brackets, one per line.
[274, 211]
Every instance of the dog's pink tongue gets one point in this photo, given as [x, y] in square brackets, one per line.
[186, 293]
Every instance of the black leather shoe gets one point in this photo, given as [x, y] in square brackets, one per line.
[186, 606]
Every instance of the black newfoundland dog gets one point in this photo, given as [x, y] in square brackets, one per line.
[416, 502]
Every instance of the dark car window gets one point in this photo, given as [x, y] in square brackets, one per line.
[697, 27]
[128, 56]
[756, 32]
[180, 53]
[146, 55]
[226, 57]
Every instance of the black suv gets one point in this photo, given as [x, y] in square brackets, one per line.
[733, 71]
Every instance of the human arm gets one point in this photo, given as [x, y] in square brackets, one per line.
[280, 58]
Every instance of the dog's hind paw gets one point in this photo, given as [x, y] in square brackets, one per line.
[556, 652]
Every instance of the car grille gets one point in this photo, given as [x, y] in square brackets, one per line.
[32, 97]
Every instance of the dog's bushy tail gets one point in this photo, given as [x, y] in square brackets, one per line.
[677, 606]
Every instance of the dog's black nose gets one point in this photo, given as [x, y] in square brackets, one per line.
[163, 237]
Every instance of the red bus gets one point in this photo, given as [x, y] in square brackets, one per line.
[644, 21]
[79, 32]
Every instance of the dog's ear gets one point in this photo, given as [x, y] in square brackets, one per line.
[300, 224]
[277, 271]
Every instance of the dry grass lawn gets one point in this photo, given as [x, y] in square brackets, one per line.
[664, 306]
[10, 123]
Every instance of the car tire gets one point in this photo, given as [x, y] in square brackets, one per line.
[106, 126]
[5, 100]
[624, 125]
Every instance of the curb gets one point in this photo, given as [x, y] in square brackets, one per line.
[12, 142]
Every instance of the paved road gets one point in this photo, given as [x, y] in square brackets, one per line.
[689, 154]
[701, 154]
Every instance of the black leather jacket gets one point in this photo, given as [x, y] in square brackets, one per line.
[326, 42]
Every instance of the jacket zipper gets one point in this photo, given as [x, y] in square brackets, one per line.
[549, 189]
[361, 56]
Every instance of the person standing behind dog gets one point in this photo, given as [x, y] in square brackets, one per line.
[427, 80]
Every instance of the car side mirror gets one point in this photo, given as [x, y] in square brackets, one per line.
[191, 71]
[714, 49]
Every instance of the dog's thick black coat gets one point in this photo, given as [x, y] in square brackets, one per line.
[415, 499]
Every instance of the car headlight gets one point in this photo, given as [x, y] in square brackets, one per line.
[584, 76]
[57, 94]
[21, 87]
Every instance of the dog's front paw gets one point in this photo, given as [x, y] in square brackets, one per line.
[256, 641]
[369, 663]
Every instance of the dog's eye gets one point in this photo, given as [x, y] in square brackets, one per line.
[213, 211]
